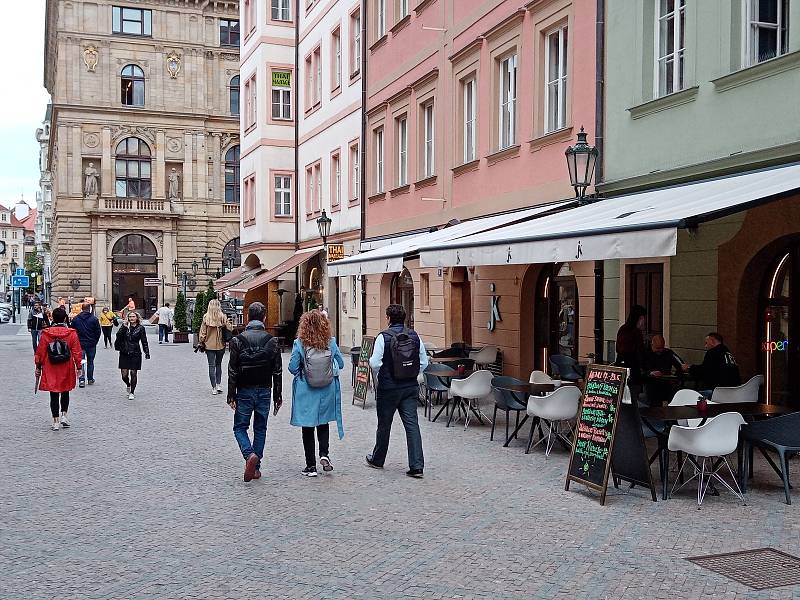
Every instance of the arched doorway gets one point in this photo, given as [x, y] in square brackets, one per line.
[555, 314]
[134, 258]
[402, 292]
[780, 313]
[460, 306]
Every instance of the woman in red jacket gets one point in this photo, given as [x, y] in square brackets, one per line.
[58, 360]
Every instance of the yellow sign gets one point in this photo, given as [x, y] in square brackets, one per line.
[281, 79]
[335, 252]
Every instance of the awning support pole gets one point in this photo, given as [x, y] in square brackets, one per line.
[599, 276]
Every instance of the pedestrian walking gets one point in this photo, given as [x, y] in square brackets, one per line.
[128, 308]
[215, 332]
[130, 337]
[398, 357]
[89, 333]
[57, 360]
[165, 318]
[108, 319]
[37, 322]
[253, 367]
[316, 393]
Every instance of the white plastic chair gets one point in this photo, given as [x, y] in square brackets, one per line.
[740, 393]
[540, 377]
[484, 357]
[469, 391]
[554, 409]
[687, 397]
[717, 438]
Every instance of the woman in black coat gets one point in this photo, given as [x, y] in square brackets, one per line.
[130, 337]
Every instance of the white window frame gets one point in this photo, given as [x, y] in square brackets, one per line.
[337, 54]
[318, 196]
[356, 182]
[402, 150]
[283, 196]
[403, 9]
[429, 133]
[284, 104]
[318, 74]
[283, 10]
[751, 25]
[556, 82]
[251, 112]
[379, 179]
[381, 18]
[336, 160]
[355, 52]
[470, 112]
[507, 102]
[677, 56]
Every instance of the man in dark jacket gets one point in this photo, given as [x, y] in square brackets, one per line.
[89, 333]
[719, 367]
[37, 322]
[397, 394]
[254, 367]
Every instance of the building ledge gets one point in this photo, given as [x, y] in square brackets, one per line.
[376, 197]
[762, 70]
[379, 42]
[505, 153]
[401, 24]
[664, 103]
[466, 167]
[426, 182]
[399, 190]
[553, 137]
[422, 5]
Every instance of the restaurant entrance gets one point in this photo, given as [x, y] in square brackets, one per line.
[556, 314]
[134, 259]
[402, 292]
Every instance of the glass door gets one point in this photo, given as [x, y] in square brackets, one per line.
[779, 329]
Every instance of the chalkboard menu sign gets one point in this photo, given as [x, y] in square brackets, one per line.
[590, 460]
[363, 371]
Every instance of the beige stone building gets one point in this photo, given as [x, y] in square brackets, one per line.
[144, 145]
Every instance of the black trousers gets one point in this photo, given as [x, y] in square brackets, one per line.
[54, 398]
[107, 335]
[323, 437]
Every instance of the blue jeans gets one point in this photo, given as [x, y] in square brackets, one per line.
[249, 401]
[163, 333]
[89, 354]
[404, 401]
[35, 334]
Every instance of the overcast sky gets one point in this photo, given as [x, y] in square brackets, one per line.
[23, 99]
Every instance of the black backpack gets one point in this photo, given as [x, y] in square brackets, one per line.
[256, 356]
[405, 354]
[58, 351]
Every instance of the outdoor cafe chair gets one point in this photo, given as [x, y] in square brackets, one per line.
[468, 392]
[566, 368]
[717, 438]
[780, 435]
[540, 377]
[484, 357]
[508, 400]
[747, 392]
[437, 382]
[554, 409]
[687, 397]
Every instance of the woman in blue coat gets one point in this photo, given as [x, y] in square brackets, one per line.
[314, 406]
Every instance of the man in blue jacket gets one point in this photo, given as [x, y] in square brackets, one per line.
[89, 333]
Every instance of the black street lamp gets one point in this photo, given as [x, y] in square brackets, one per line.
[175, 267]
[581, 160]
[217, 275]
[194, 267]
[229, 263]
[13, 266]
[206, 260]
[185, 281]
[324, 225]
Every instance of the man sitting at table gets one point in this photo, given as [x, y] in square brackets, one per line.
[719, 367]
[660, 360]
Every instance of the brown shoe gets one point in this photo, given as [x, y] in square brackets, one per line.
[257, 474]
[250, 467]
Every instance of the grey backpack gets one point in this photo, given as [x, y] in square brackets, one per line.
[318, 367]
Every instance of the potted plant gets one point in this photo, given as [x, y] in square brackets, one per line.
[197, 316]
[181, 335]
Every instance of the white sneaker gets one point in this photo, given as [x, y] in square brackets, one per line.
[64, 421]
[130, 396]
[54, 427]
[214, 391]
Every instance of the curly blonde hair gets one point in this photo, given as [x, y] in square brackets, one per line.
[314, 330]
[214, 316]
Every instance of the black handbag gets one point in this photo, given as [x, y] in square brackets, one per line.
[227, 335]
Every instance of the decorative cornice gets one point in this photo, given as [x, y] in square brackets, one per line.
[474, 44]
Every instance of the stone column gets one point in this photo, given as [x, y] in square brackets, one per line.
[187, 166]
[159, 168]
[101, 267]
[202, 167]
[107, 169]
[76, 170]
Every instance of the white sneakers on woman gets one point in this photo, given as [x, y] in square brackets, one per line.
[54, 426]
[64, 421]
[130, 396]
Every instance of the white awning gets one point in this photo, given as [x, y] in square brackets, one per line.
[389, 259]
[638, 225]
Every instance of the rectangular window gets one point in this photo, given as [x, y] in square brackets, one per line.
[249, 185]
[470, 102]
[309, 80]
[508, 102]
[283, 196]
[402, 9]
[309, 190]
[355, 43]
[336, 51]
[228, 32]
[249, 15]
[428, 162]
[381, 18]
[132, 21]
[282, 95]
[355, 175]
[317, 75]
[281, 10]
[402, 150]
[645, 286]
[250, 102]
[555, 90]
[379, 160]
[767, 29]
[670, 46]
[318, 181]
[425, 290]
[14, 235]
[15, 252]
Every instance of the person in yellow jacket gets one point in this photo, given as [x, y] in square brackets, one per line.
[107, 321]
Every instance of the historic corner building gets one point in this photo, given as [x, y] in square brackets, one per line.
[143, 147]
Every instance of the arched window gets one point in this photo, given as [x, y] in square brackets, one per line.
[134, 247]
[132, 169]
[232, 175]
[231, 256]
[234, 95]
[132, 86]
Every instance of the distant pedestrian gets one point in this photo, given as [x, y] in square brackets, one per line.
[316, 393]
[165, 318]
[398, 357]
[108, 319]
[58, 359]
[214, 334]
[89, 333]
[129, 308]
[631, 347]
[254, 366]
[37, 322]
[130, 337]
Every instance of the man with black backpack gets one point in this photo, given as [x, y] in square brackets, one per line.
[398, 357]
[253, 368]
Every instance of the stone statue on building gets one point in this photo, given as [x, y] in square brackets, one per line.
[173, 185]
[90, 182]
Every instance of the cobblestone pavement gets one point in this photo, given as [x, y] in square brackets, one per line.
[145, 499]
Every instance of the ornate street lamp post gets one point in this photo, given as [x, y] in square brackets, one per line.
[581, 160]
[324, 226]
[194, 267]
[175, 268]
[206, 260]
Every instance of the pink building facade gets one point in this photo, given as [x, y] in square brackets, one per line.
[470, 106]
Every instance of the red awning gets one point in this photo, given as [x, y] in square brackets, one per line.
[229, 278]
[297, 259]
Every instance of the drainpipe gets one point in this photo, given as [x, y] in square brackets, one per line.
[363, 150]
[599, 108]
[296, 102]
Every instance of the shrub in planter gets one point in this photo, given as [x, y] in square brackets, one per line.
[199, 312]
[180, 335]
